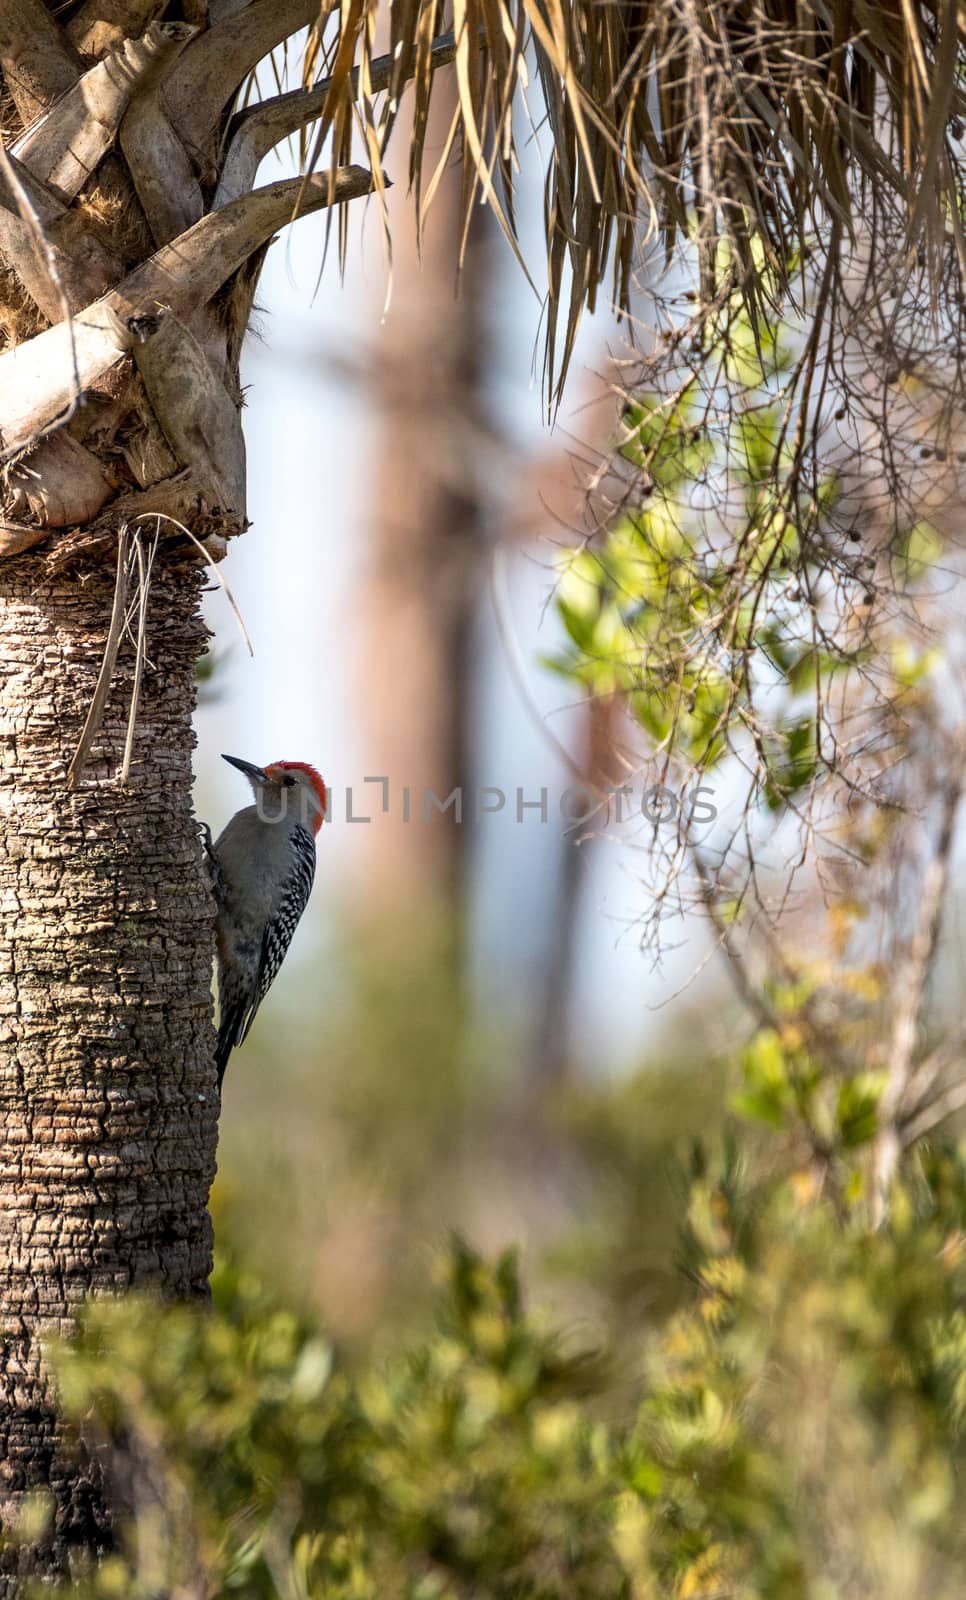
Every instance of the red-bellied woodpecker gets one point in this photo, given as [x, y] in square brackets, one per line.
[262, 865]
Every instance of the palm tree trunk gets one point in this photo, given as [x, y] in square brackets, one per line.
[108, 1093]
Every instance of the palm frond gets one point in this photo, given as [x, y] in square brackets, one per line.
[748, 124]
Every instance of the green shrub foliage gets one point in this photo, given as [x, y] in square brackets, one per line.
[793, 1428]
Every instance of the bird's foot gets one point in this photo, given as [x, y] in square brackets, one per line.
[214, 866]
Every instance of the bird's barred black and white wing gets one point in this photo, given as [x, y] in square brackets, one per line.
[278, 932]
[239, 1008]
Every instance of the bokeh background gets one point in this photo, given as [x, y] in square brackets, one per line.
[708, 1081]
[466, 1018]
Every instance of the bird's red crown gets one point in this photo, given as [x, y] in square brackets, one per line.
[279, 769]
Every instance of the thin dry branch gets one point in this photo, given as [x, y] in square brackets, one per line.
[751, 995]
[102, 688]
[222, 583]
[145, 562]
[819, 1038]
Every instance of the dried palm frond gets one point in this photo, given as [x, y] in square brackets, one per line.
[753, 124]
[744, 129]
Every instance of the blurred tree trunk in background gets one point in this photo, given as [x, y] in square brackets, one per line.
[551, 1048]
[440, 500]
[429, 551]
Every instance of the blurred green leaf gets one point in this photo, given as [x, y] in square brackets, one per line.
[858, 1106]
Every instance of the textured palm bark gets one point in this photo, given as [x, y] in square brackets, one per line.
[108, 1104]
[109, 1109]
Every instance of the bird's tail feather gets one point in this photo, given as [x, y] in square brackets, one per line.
[229, 1034]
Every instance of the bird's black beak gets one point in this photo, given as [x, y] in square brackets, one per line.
[247, 767]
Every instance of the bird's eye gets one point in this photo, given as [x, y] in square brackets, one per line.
[288, 782]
